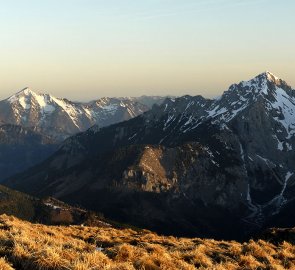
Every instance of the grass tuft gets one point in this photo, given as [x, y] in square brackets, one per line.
[24, 245]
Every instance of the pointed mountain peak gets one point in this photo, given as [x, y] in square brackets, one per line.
[26, 91]
[24, 94]
[262, 82]
[267, 75]
[270, 77]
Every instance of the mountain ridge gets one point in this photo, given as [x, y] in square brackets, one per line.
[61, 118]
[235, 154]
[28, 115]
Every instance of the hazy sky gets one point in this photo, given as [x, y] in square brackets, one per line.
[83, 49]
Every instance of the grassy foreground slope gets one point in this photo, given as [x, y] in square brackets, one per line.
[24, 245]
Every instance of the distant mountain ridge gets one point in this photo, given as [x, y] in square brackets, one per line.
[185, 165]
[32, 125]
[61, 118]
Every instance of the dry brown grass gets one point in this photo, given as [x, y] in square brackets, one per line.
[24, 245]
[4, 265]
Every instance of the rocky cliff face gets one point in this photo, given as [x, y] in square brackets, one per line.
[190, 165]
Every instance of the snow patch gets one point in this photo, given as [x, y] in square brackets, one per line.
[24, 102]
[285, 105]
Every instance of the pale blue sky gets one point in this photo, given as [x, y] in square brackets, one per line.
[83, 49]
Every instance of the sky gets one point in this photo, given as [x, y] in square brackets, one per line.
[86, 49]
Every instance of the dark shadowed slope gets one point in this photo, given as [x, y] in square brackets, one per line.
[21, 148]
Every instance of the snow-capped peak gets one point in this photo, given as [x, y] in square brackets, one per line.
[270, 77]
[265, 90]
[27, 98]
[24, 92]
[270, 91]
[260, 85]
[262, 78]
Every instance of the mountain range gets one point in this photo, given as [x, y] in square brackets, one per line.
[32, 125]
[61, 118]
[190, 166]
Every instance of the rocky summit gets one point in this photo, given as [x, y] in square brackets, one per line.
[189, 166]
